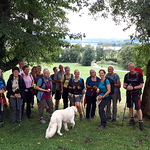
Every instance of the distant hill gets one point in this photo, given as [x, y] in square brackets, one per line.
[111, 40]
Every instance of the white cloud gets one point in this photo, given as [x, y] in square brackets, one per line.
[102, 28]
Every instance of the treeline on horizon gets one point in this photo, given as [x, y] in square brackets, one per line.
[87, 54]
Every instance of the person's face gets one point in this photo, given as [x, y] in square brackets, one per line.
[67, 71]
[110, 70]
[131, 67]
[101, 74]
[77, 73]
[26, 70]
[21, 64]
[38, 69]
[15, 73]
[92, 73]
[56, 69]
[34, 70]
[47, 74]
[61, 67]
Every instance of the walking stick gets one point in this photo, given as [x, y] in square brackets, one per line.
[124, 112]
[83, 109]
[2, 108]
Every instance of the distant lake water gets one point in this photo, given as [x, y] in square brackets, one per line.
[95, 45]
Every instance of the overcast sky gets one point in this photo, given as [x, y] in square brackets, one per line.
[102, 28]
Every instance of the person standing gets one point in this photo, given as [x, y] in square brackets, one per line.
[21, 64]
[115, 96]
[92, 83]
[64, 85]
[2, 97]
[15, 88]
[55, 69]
[57, 79]
[103, 91]
[28, 94]
[44, 87]
[133, 83]
[76, 86]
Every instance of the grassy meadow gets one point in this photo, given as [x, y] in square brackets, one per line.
[86, 134]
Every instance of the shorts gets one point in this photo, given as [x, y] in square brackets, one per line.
[57, 95]
[134, 99]
[74, 98]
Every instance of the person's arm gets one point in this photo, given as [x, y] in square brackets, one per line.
[62, 83]
[87, 84]
[39, 88]
[108, 90]
[118, 84]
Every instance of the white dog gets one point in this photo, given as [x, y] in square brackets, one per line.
[66, 116]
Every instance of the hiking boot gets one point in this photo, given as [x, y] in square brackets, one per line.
[132, 122]
[42, 121]
[113, 120]
[102, 126]
[81, 117]
[141, 127]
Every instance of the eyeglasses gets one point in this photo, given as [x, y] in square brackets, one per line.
[92, 72]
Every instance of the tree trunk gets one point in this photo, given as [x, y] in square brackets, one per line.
[146, 93]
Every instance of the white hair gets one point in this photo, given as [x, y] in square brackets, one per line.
[46, 70]
[111, 66]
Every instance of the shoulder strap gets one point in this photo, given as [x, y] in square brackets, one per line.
[42, 81]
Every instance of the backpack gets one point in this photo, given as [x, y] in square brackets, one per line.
[72, 79]
[43, 81]
[2, 83]
[65, 77]
[111, 85]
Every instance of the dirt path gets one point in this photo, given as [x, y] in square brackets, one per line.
[96, 66]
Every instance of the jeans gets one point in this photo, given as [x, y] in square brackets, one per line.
[91, 106]
[102, 114]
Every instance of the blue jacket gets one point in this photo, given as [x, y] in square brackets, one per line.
[42, 85]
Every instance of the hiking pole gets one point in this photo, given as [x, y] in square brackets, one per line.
[2, 108]
[83, 109]
[124, 112]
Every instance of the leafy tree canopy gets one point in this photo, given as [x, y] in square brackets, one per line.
[33, 29]
[133, 12]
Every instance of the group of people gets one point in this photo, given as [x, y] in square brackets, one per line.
[22, 86]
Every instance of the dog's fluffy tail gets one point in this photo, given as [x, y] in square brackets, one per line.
[51, 130]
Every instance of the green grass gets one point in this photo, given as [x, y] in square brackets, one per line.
[84, 136]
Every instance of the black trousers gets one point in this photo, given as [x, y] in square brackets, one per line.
[27, 98]
[91, 106]
[102, 114]
[65, 97]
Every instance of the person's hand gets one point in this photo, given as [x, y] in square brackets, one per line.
[129, 87]
[100, 97]
[16, 95]
[2, 91]
[78, 87]
[94, 87]
[61, 91]
[48, 90]
[98, 90]
[73, 87]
